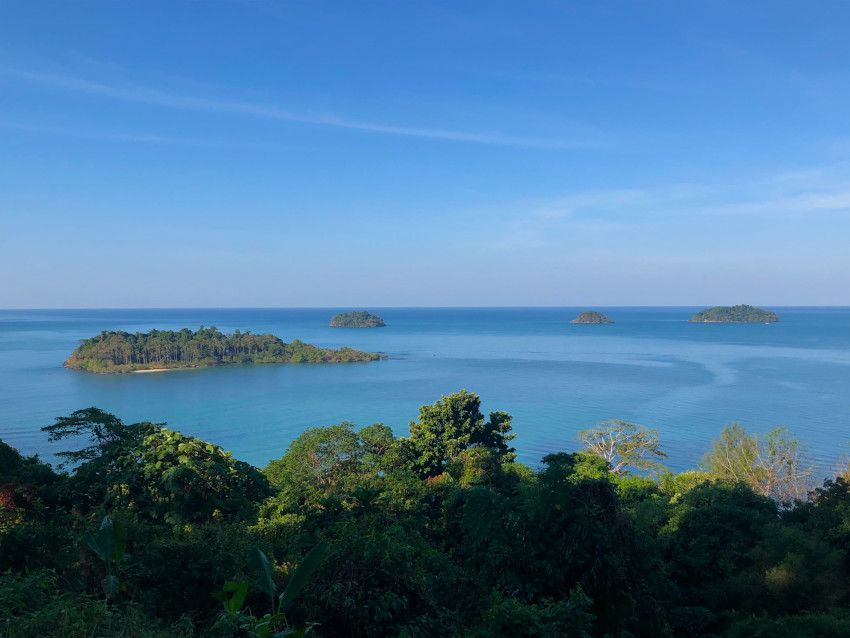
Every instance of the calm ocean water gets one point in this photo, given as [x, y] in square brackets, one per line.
[651, 367]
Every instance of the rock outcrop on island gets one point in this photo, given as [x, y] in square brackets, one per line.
[360, 319]
[734, 314]
[591, 316]
[111, 352]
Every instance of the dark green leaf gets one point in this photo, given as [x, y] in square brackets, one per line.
[92, 543]
[233, 603]
[302, 575]
[258, 560]
[111, 585]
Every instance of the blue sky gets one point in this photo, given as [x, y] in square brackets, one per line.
[262, 153]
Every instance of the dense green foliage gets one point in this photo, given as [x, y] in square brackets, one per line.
[125, 352]
[361, 319]
[591, 316]
[452, 425]
[357, 532]
[735, 314]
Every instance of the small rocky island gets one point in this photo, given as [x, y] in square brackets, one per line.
[115, 352]
[361, 319]
[591, 316]
[735, 314]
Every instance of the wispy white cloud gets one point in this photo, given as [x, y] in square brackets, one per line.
[145, 95]
[799, 199]
[622, 82]
[811, 178]
[788, 206]
[599, 200]
[114, 136]
[810, 191]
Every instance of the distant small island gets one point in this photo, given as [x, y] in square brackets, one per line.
[591, 316]
[360, 319]
[116, 352]
[735, 314]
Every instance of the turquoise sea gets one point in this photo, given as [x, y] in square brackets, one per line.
[651, 367]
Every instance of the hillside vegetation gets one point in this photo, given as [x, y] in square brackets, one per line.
[357, 532]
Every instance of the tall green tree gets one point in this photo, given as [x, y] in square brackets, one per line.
[330, 461]
[165, 474]
[182, 478]
[108, 461]
[320, 462]
[452, 425]
[107, 436]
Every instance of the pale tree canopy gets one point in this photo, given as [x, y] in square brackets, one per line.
[625, 446]
[774, 464]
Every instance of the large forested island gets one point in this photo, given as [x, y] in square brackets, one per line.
[111, 352]
[591, 316]
[360, 319]
[735, 314]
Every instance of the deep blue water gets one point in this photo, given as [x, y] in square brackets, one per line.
[651, 367]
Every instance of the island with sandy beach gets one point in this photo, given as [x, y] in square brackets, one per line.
[160, 350]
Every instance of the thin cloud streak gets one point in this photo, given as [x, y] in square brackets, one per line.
[120, 137]
[691, 200]
[139, 94]
[625, 212]
[605, 200]
[793, 206]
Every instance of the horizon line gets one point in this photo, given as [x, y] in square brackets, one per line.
[412, 307]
